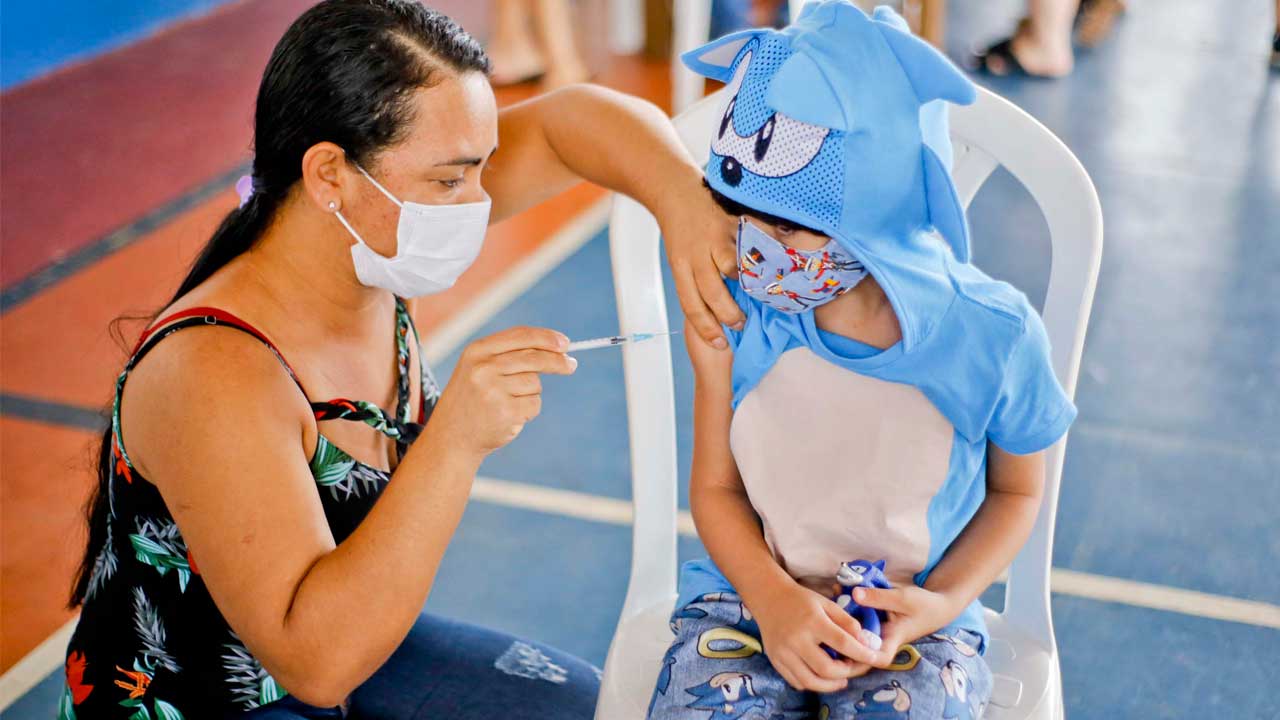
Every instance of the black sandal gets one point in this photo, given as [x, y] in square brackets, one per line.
[981, 62]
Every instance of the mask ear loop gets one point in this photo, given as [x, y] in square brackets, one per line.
[347, 225]
[378, 185]
[334, 206]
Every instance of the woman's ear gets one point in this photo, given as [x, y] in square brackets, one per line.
[325, 172]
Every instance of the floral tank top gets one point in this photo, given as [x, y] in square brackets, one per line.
[151, 644]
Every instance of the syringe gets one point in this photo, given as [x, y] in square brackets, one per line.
[615, 340]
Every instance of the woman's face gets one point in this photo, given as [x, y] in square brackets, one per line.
[454, 130]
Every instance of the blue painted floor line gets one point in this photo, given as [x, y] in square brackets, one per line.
[36, 42]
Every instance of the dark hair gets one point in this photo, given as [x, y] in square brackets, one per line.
[733, 207]
[345, 72]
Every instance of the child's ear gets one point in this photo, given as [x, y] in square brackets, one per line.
[715, 59]
[945, 211]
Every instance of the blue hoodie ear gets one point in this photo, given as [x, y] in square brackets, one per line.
[886, 15]
[932, 75]
[879, 564]
[800, 90]
[945, 212]
[715, 59]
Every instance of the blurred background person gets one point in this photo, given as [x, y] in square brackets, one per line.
[1039, 47]
[1095, 19]
[1275, 41]
[533, 41]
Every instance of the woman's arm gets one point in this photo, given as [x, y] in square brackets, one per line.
[986, 546]
[627, 145]
[794, 621]
[212, 419]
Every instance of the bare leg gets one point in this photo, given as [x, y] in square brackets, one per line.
[1096, 20]
[512, 48]
[1042, 43]
[555, 31]
[1275, 41]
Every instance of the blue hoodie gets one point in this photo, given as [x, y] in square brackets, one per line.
[838, 123]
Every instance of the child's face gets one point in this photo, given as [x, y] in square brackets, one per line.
[792, 236]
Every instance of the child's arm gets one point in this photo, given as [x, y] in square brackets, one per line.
[987, 545]
[794, 621]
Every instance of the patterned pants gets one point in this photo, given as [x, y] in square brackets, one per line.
[716, 670]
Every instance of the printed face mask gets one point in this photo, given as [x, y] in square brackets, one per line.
[793, 280]
[434, 245]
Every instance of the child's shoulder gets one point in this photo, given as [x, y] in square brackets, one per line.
[1003, 308]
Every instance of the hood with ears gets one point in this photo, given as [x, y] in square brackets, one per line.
[824, 124]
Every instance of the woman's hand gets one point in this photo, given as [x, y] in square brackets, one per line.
[795, 622]
[913, 613]
[495, 388]
[699, 238]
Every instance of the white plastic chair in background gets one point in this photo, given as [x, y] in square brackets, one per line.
[1023, 652]
[691, 21]
[690, 24]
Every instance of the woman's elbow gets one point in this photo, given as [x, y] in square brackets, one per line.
[320, 679]
[314, 694]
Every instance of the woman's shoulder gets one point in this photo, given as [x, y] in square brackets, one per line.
[199, 381]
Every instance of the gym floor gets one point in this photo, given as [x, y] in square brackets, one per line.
[1165, 592]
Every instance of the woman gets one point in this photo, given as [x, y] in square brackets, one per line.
[264, 533]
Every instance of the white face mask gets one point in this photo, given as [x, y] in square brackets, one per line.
[434, 245]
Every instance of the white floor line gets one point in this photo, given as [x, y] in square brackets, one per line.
[35, 666]
[1163, 597]
[567, 503]
[559, 245]
[597, 508]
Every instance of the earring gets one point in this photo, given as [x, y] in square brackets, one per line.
[333, 205]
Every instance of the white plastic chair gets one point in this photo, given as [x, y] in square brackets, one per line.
[1022, 653]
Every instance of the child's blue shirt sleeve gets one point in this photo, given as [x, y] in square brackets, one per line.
[1032, 410]
[744, 303]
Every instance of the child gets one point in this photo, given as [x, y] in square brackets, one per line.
[884, 400]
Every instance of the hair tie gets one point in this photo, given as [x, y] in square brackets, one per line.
[245, 188]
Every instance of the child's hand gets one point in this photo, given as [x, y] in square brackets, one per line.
[913, 613]
[795, 622]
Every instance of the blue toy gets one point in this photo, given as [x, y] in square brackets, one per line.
[861, 573]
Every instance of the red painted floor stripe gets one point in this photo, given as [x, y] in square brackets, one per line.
[88, 149]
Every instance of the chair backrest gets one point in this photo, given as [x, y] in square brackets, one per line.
[990, 133]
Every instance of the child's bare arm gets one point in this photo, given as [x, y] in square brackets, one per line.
[726, 521]
[987, 545]
[794, 621]
[1015, 484]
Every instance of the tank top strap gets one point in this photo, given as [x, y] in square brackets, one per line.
[197, 316]
[427, 388]
[152, 336]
